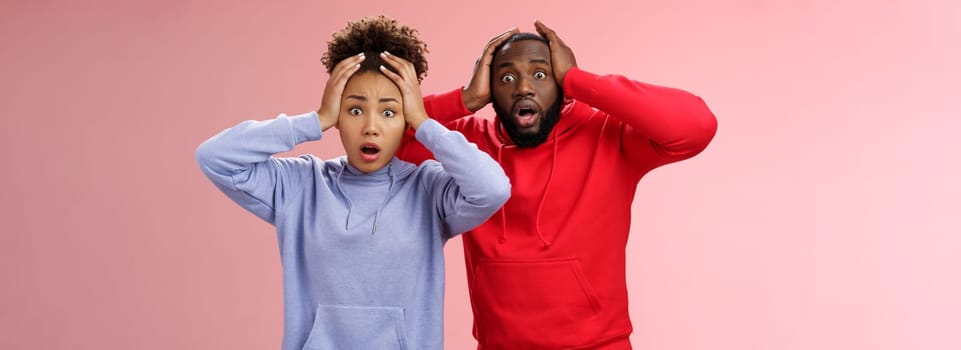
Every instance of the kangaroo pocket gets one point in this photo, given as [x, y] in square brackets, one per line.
[357, 327]
[533, 304]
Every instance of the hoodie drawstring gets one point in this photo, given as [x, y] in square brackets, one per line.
[540, 207]
[350, 205]
[503, 238]
[390, 187]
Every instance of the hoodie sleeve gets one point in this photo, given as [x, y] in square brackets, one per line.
[240, 162]
[471, 186]
[660, 124]
[445, 108]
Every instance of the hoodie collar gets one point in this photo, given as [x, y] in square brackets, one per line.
[395, 167]
[393, 171]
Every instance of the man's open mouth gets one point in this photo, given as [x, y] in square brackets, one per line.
[525, 113]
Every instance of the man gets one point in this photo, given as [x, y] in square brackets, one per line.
[548, 270]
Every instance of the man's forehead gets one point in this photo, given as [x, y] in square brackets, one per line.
[523, 49]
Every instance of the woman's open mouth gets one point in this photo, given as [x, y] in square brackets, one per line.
[369, 151]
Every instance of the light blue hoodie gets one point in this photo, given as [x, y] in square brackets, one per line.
[362, 255]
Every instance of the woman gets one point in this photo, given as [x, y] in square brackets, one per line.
[361, 237]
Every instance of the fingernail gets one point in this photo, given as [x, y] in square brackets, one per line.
[382, 67]
[361, 54]
[386, 52]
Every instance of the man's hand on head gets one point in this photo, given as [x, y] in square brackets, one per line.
[477, 93]
[562, 58]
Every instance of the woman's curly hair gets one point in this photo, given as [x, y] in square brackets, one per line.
[373, 35]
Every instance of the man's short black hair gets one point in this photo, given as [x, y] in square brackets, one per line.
[522, 36]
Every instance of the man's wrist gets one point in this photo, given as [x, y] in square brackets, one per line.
[472, 103]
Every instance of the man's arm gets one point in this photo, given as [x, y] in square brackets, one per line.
[662, 124]
[666, 123]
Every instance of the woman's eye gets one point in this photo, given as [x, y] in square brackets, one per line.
[540, 75]
[355, 111]
[389, 113]
[507, 78]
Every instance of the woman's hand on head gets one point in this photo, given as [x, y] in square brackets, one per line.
[333, 92]
[409, 86]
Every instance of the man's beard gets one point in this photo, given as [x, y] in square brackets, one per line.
[524, 140]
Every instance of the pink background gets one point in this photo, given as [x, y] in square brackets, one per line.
[823, 215]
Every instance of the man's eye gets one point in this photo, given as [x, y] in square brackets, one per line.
[389, 113]
[507, 78]
[540, 75]
[355, 111]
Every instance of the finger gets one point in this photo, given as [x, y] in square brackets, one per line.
[339, 81]
[404, 67]
[396, 78]
[546, 32]
[501, 36]
[403, 84]
[345, 68]
[348, 66]
[498, 40]
[488, 56]
[348, 62]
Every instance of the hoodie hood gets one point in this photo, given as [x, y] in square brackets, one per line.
[394, 171]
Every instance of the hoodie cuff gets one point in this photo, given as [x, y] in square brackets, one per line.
[446, 106]
[428, 132]
[579, 84]
[305, 127]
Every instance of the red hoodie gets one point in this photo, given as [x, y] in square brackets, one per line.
[548, 270]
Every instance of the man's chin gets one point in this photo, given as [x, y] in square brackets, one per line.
[530, 131]
[531, 135]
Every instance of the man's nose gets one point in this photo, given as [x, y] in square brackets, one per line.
[524, 88]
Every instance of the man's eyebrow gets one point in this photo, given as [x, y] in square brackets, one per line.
[533, 60]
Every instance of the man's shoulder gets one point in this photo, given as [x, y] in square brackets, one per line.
[472, 125]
